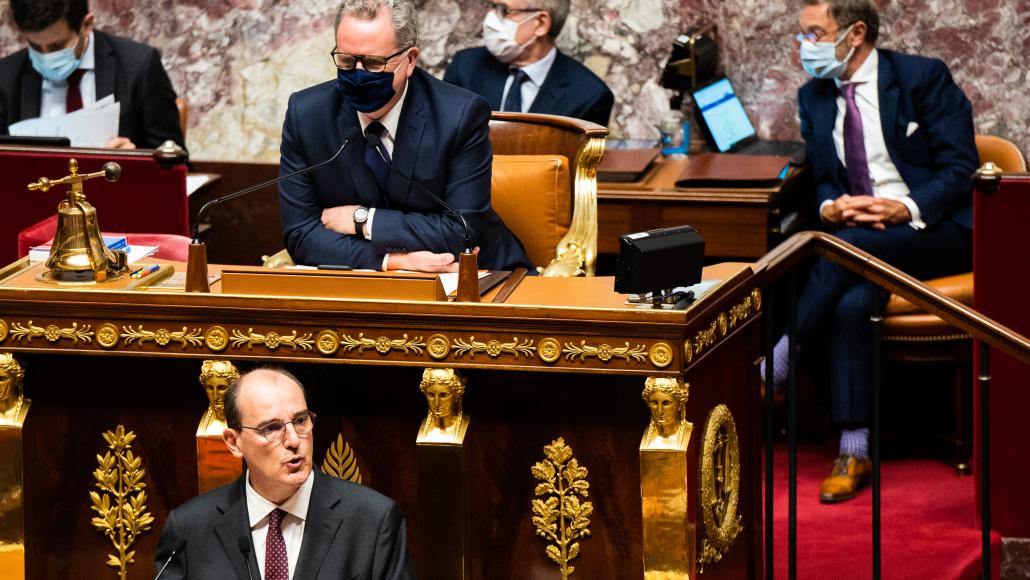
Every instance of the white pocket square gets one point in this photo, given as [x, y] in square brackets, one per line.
[912, 128]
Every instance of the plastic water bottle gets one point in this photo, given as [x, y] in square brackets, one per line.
[675, 134]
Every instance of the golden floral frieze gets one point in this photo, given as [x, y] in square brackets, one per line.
[162, 336]
[382, 344]
[271, 340]
[494, 348]
[604, 352]
[561, 518]
[722, 324]
[51, 332]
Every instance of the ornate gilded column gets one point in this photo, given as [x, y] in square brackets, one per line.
[216, 466]
[443, 494]
[14, 407]
[669, 533]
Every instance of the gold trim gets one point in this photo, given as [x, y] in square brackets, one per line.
[107, 335]
[494, 348]
[927, 338]
[327, 342]
[3, 330]
[723, 324]
[272, 340]
[162, 336]
[382, 344]
[438, 346]
[216, 338]
[660, 355]
[720, 485]
[688, 351]
[756, 300]
[340, 461]
[51, 332]
[561, 518]
[121, 501]
[549, 350]
[605, 352]
[576, 253]
[704, 338]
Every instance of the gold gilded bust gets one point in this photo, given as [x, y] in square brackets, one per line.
[215, 377]
[445, 422]
[13, 404]
[666, 398]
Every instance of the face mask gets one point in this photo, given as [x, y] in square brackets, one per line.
[57, 65]
[819, 59]
[366, 91]
[499, 37]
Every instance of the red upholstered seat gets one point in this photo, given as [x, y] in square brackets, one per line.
[169, 246]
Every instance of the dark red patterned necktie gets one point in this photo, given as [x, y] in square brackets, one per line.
[73, 102]
[277, 564]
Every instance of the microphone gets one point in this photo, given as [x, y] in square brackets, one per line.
[376, 142]
[245, 550]
[196, 266]
[176, 548]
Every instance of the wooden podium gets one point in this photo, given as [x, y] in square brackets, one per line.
[561, 358]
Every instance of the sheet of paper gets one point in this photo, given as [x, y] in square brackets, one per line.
[88, 127]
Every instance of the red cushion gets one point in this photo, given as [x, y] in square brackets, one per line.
[169, 246]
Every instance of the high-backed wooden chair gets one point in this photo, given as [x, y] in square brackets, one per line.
[913, 335]
[183, 107]
[545, 187]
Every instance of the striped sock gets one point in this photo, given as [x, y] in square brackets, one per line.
[780, 360]
[855, 442]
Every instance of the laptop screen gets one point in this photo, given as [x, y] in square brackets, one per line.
[724, 114]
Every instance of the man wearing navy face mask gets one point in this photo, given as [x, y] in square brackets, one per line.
[361, 211]
[69, 65]
[890, 140]
[520, 69]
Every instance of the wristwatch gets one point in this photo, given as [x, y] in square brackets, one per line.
[360, 217]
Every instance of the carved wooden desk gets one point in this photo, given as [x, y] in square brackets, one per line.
[562, 358]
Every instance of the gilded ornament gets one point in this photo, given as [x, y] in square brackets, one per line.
[438, 346]
[756, 299]
[3, 330]
[704, 338]
[340, 461]
[660, 355]
[216, 338]
[327, 342]
[272, 340]
[494, 348]
[604, 352]
[445, 421]
[162, 336]
[688, 350]
[549, 349]
[215, 377]
[720, 485]
[740, 312]
[723, 324]
[13, 405]
[52, 332]
[121, 502]
[107, 335]
[666, 399]
[382, 344]
[561, 518]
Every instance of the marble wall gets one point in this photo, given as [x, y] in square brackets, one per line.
[237, 61]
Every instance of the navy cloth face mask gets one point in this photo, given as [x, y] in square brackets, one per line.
[365, 91]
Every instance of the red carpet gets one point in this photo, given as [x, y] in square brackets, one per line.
[928, 513]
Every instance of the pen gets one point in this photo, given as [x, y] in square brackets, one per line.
[145, 271]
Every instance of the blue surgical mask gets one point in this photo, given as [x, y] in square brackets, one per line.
[366, 91]
[57, 65]
[819, 59]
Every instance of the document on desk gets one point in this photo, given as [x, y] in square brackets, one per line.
[91, 126]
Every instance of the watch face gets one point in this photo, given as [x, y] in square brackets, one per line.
[361, 215]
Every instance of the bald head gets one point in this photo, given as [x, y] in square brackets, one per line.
[266, 377]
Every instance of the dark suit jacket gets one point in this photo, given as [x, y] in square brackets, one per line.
[131, 71]
[351, 532]
[570, 89]
[937, 161]
[442, 141]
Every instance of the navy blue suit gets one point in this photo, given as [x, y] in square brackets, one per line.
[570, 89]
[936, 161]
[442, 142]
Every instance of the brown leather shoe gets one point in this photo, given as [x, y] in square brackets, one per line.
[848, 475]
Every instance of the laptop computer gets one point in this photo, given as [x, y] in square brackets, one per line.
[728, 129]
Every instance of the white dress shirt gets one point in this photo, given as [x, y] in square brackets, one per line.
[537, 73]
[54, 95]
[886, 180]
[296, 509]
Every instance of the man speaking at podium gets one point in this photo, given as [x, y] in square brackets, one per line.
[370, 208]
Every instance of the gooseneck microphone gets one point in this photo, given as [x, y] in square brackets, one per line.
[245, 547]
[176, 548]
[377, 143]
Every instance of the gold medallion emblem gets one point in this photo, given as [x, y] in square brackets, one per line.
[549, 349]
[756, 299]
[723, 324]
[3, 330]
[688, 350]
[438, 346]
[107, 335]
[661, 354]
[327, 342]
[720, 484]
[216, 338]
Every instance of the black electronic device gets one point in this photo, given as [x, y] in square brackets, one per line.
[693, 62]
[658, 260]
[36, 140]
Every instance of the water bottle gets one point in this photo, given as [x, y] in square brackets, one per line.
[675, 134]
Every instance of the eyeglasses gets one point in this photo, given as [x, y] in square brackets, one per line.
[275, 431]
[814, 37]
[344, 61]
[503, 10]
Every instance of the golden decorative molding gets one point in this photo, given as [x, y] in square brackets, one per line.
[51, 332]
[107, 335]
[216, 338]
[272, 340]
[340, 461]
[438, 346]
[561, 518]
[705, 338]
[720, 485]
[660, 355]
[756, 299]
[549, 349]
[494, 348]
[722, 324]
[327, 342]
[3, 330]
[121, 501]
[382, 344]
[162, 336]
[604, 352]
[576, 253]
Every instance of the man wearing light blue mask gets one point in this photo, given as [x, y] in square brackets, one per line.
[363, 210]
[69, 65]
[520, 69]
[890, 140]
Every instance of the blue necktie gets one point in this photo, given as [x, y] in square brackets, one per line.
[378, 164]
[514, 101]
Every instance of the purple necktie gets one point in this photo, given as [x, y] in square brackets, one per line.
[73, 101]
[854, 144]
[277, 564]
